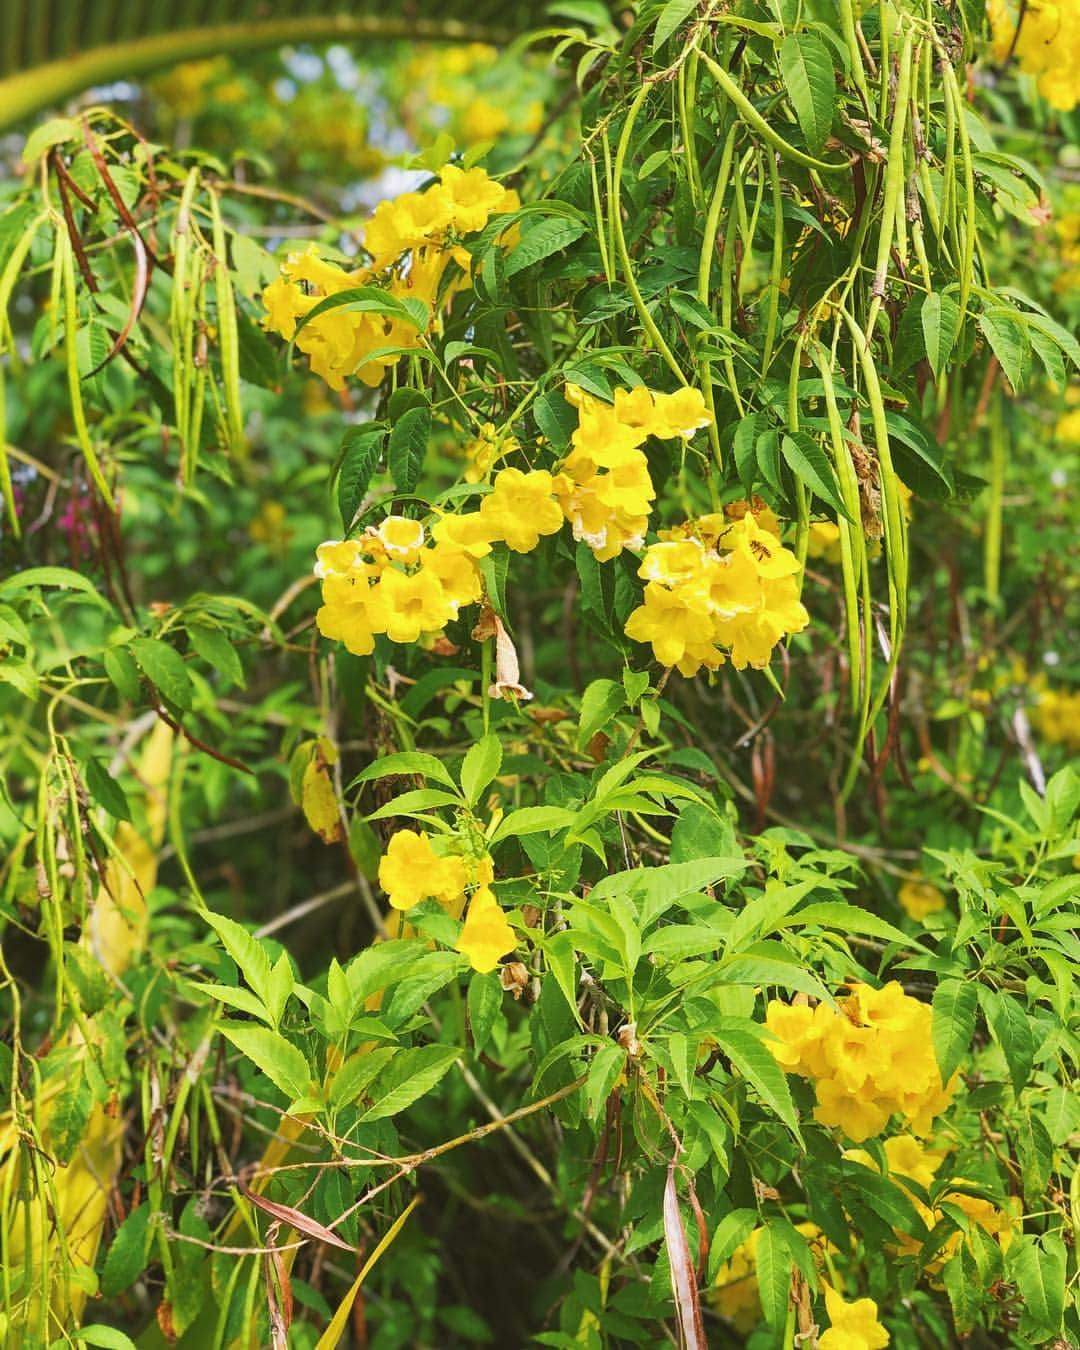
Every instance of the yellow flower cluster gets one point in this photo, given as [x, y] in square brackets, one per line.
[716, 583]
[399, 579]
[411, 240]
[919, 897]
[604, 488]
[870, 1059]
[1056, 717]
[1046, 43]
[412, 870]
[908, 1159]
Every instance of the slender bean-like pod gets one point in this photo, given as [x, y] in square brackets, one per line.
[853, 559]
[967, 250]
[895, 541]
[647, 320]
[727, 304]
[181, 309]
[78, 411]
[858, 71]
[754, 119]
[894, 181]
[776, 269]
[601, 228]
[999, 452]
[7, 283]
[802, 501]
[686, 121]
[712, 219]
[228, 336]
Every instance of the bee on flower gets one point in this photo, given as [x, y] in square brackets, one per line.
[718, 589]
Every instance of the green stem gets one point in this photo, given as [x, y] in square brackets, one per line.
[647, 321]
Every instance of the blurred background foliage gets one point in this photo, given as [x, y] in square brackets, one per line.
[301, 142]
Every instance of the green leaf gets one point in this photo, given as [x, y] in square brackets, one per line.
[63, 577]
[1009, 343]
[249, 954]
[754, 1061]
[674, 13]
[164, 668]
[732, 1230]
[655, 889]
[555, 418]
[807, 70]
[105, 791]
[406, 762]
[744, 444]
[1011, 1029]
[69, 1118]
[940, 325]
[413, 803]
[214, 647]
[773, 1262]
[955, 1004]
[605, 1068]
[484, 1001]
[961, 1279]
[532, 820]
[357, 1073]
[408, 446]
[599, 704]
[273, 1055]
[122, 671]
[541, 241]
[107, 1338]
[361, 448]
[480, 766]
[126, 1257]
[410, 1074]
[808, 461]
[369, 300]
[1038, 1271]
[52, 132]
[845, 918]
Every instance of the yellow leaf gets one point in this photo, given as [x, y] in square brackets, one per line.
[319, 801]
[330, 1337]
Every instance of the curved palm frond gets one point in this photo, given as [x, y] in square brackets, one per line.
[53, 49]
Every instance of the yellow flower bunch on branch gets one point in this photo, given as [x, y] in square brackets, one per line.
[870, 1058]
[713, 584]
[412, 240]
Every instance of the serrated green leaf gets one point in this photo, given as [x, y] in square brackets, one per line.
[272, 1055]
[164, 668]
[105, 791]
[361, 448]
[600, 702]
[409, 1076]
[940, 318]
[126, 1258]
[480, 766]
[955, 1004]
[808, 461]
[408, 447]
[807, 69]
[541, 241]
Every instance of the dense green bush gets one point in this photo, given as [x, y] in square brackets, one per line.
[626, 893]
